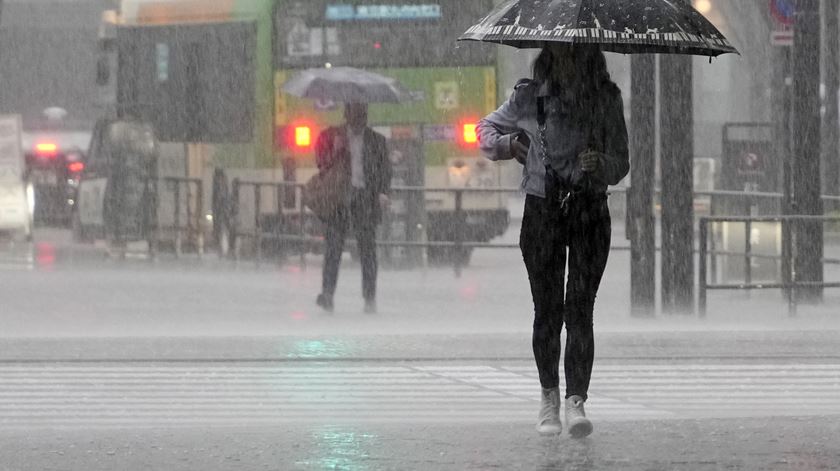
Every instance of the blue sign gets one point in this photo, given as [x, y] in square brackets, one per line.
[783, 10]
[344, 12]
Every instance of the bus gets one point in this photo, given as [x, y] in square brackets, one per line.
[413, 41]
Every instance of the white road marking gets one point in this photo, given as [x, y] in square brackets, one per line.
[92, 395]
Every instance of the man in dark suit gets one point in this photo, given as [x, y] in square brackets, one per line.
[363, 152]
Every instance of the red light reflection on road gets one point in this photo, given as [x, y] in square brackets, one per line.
[469, 292]
[45, 254]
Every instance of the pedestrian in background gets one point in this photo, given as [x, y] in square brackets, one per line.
[566, 125]
[362, 154]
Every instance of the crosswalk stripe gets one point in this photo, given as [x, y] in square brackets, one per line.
[35, 395]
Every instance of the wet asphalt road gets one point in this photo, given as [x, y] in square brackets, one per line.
[730, 444]
[206, 366]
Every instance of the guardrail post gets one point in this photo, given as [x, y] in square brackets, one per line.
[701, 303]
[257, 226]
[189, 209]
[150, 218]
[748, 252]
[304, 244]
[200, 217]
[787, 262]
[234, 218]
[793, 292]
[460, 227]
[713, 262]
[177, 196]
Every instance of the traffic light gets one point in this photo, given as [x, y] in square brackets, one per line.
[469, 134]
[303, 136]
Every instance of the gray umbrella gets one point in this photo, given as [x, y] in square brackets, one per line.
[346, 85]
[623, 26]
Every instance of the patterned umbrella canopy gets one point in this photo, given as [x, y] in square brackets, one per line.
[623, 26]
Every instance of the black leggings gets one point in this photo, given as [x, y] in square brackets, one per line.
[547, 233]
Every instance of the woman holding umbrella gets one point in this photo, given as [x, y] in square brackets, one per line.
[567, 127]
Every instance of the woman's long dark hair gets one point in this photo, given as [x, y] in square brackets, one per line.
[590, 66]
[592, 77]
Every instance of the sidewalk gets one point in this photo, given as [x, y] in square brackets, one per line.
[74, 291]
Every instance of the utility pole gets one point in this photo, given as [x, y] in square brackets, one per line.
[831, 124]
[641, 227]
[783, 112]
[677, 174]
[806, 179]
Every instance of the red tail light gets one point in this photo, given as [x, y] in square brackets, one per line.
[46, 148]
[75, 167]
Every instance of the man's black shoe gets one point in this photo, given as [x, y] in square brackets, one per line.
[325, 302]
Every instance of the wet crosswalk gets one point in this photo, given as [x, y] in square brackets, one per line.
[137, 395]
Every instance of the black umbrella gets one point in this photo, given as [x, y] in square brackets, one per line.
[347, 85]
[623, 26]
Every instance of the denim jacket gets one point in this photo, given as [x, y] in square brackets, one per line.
[607, 135]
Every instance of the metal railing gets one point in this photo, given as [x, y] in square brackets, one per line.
[788, 258]
[459, 243]
[259, 235]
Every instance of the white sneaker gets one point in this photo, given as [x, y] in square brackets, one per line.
[579, 425]
[548, 422]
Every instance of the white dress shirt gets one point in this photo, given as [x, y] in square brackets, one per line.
[357, 162]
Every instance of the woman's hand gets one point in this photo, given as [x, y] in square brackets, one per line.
[519, 146]
[590, 161]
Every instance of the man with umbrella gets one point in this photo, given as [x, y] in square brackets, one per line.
[358, 156]
[566, 126]
[362, 153]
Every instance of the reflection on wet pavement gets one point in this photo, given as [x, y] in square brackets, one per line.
[309, 349]
[341, 448]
